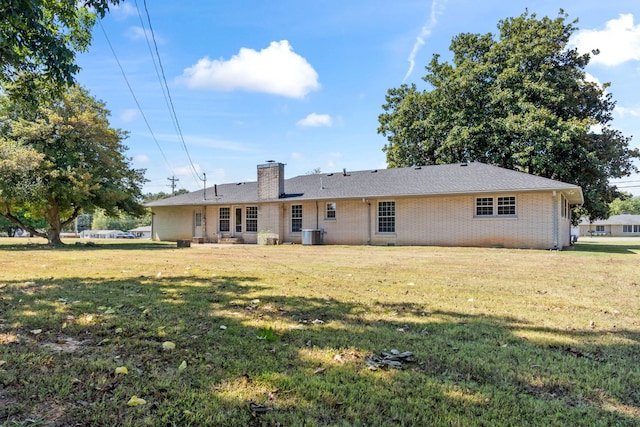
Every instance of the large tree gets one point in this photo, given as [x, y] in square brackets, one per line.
[39, 40]
[74, 163]
[521, 100]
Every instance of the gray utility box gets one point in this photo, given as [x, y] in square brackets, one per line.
[311, 237]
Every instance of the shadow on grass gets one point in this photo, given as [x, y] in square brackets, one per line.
[81, 245]
[466, 369]
[601, 247]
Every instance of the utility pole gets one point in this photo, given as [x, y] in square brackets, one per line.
[204, 191]
[173, 180]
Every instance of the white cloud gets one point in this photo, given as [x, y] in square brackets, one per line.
[188, 170]
[141, 158]
[314, 120]
[619, 42]
[203, 141]
[627, 112]
[437, 9]
[186, 174]
[129, 115]
[592, 79]
[122, 11]
[138, 33]
[276, 69]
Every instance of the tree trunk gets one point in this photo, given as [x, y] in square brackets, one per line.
[52, 215]
[53, 237]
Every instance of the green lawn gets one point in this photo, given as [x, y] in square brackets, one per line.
[297, 335]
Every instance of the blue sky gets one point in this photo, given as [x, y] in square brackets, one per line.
[303, 82]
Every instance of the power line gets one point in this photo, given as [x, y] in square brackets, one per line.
[124, 75]
[172, 108]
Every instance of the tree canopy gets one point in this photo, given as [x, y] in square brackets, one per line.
[64, 159]
[626, 204]
[39, 40]
[522, 101]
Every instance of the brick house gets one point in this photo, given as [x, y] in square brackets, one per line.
[623, 225]
[468, 204]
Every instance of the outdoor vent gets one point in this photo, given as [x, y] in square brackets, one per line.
[417, 167]
[464, 164]
[374, 171]
[344, 171]
[240, 183]
[331, 174]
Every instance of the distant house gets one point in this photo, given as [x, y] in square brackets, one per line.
[623, 225]
[141, 232]
[100, 234]
[468, 204]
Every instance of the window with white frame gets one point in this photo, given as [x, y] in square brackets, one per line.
[627, 228]
[484, 206]
[386, 217]
[507, 205]
[600, 228]
[331, 211]
[636, 228]
[225, 215]
[296, 218]
[198, 219]
[496, 206]
[251, 219]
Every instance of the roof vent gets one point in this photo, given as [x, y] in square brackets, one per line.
[330, 174]
[464, 164]
[374, 171]
[270, 161]
[344, 171]
[417, 167]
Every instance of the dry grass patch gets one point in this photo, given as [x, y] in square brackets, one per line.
[283, 335]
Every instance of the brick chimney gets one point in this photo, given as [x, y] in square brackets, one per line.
[270, 180]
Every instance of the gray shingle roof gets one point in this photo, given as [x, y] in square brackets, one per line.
[450, 179]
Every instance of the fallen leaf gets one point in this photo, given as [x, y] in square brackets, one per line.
[135, 401]
[319, 371]
[36, 331]
[109, 311]
[182, 366]
[118, 330]
[168, 345]
[122, 370]
[223, 327]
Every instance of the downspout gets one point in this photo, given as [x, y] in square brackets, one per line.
[368, 221]
[204, 222]
[555, 220]
[317, 217]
